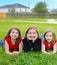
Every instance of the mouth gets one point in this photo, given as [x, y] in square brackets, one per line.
[49, 40]
[32, 36]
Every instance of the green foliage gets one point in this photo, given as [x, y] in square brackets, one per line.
[40, 7]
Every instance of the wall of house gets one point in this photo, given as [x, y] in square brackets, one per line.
[28, 10]
[22, 10]
[6, 10]
[3, 10]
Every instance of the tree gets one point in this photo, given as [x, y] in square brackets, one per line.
[40, 7]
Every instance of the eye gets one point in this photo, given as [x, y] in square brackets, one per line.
[13, 32]
[47, 35]
[30, 33]
[50, 35]
[16, 32]
[34, 33]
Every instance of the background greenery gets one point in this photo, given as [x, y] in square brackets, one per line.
[30, 58]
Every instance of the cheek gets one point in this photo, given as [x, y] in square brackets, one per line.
[17, 35]
[35, 36]
[10, 34]
[51, 38]
[27, 35]
[46, 37]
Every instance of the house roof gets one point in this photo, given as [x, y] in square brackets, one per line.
[53, 11]
[14, 5]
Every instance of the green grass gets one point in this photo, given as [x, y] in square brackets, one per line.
[25, 19]
[7, 23]
[30, 58]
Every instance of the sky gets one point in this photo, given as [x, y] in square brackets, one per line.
[51, 4]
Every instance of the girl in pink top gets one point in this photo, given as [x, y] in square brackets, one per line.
[49, 42]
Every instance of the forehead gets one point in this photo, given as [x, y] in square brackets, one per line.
[14, 30]
[32, 30]
[49, 33]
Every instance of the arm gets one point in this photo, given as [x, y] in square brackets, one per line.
[54, 49]
[16, 53]
[43, 49]
[20, 47]
[7, 48]
[27, 45]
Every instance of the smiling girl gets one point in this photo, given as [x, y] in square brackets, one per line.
[32, 40]
[49, 42]
[13, 42]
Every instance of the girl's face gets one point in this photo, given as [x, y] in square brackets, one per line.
[49, 37]
[14, 34]
[32, 34]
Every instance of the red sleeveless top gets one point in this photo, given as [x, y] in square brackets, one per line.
[47, 46]
[12, 46]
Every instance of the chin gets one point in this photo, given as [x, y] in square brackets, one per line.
[49, 41]
[14, 38]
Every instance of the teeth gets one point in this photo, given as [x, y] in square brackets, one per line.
[32, 37]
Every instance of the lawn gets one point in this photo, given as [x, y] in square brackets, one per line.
[30, 58]
[25, 19]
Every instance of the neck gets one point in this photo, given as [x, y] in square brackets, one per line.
[13, 41]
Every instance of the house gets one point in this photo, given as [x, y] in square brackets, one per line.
[53, 11]
[14, 7]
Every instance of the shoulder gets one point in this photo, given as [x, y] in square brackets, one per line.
[38, 39]
[7, 39]
[27, 40]
[20, 39]
[55, 41]
[43, 41]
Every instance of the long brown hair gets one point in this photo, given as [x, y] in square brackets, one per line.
[53, 33]
[32, 27]
[9, 31]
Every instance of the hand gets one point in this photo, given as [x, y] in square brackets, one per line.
[50, 53]
[34, 39]
[15, 53]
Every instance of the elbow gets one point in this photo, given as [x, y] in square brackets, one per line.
[6, 52]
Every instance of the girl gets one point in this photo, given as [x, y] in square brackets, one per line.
[32, 40]
[49, 42]
[13, 42]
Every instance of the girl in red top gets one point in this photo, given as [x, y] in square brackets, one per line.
[13, 42]
[49, 42]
